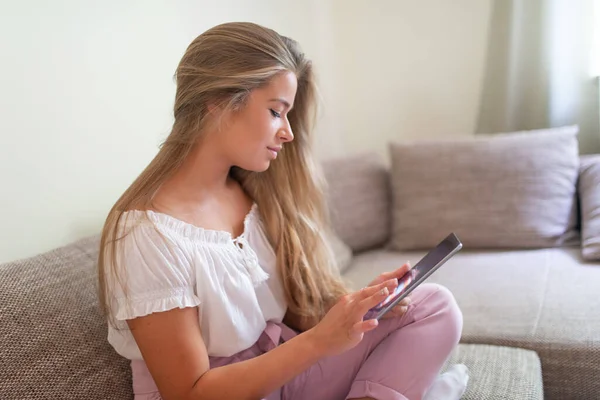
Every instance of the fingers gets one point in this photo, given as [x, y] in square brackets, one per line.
[367, 303]
[392, 274]
[371, 290]
[400, 309]
[365, 326]
[402, 270]
[367, 298]
[383, 277]
[405, 302]
[398, 273]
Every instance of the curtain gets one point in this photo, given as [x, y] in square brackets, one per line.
[539, 69]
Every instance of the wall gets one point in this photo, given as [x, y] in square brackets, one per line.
[410, 69]
[87, 90]
[86, 98]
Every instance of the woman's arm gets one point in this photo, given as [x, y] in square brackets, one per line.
[174, 351]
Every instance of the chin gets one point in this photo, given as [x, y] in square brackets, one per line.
[257, 167]
[264, 167]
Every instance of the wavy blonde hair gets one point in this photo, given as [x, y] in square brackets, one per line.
[223, 65]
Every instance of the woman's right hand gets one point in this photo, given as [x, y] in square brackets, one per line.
[343, 327]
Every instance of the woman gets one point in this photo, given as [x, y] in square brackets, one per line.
[215, 273]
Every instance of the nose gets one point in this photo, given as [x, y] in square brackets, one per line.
[285, 134]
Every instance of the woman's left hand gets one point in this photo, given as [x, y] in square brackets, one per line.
[400, 308]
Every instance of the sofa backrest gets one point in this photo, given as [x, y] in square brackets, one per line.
[53, 337]
[359, 199]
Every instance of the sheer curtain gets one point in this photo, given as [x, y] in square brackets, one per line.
[540, 68]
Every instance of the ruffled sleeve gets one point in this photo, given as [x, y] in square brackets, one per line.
[153, 273]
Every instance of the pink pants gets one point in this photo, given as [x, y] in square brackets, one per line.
[396, 361]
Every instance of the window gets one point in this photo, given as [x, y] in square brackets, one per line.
[596, 42]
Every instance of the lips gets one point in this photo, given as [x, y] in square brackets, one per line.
[274, 151]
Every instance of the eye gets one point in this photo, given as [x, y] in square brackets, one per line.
[275, 113]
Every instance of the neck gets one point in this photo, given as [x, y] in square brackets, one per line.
[204, 173]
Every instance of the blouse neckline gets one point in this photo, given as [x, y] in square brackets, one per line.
[193, 231]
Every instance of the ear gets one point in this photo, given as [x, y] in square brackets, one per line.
[222, 118]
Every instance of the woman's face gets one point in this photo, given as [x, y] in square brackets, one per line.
[255, 134]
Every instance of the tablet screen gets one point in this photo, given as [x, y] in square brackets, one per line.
[423, 268]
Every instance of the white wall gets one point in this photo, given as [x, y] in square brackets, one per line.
[411, 69]
[87, 90]
[86, 98]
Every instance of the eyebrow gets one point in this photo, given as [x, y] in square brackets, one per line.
[283, 101]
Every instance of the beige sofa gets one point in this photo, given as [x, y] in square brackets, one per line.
[520, 307]
[544, 299]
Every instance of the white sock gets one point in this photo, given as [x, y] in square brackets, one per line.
[450, 385]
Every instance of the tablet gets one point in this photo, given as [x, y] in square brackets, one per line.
[419, 273]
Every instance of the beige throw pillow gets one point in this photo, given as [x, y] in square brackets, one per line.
[342, 252]
[509, 190]
[359, 200]
[589, 195]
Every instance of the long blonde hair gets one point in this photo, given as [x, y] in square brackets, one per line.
[223, 65]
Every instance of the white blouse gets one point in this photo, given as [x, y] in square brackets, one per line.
[169, 263]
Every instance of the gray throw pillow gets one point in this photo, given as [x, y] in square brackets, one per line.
[589, 195]
[508, 190]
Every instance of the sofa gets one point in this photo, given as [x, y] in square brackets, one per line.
[531, 311]
[526, 206]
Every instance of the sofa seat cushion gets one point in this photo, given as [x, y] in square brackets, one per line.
[498, 372]
[545, 300]
[52, 334]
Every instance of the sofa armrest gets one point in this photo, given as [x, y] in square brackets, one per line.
[589, 198]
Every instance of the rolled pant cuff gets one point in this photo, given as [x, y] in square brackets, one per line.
[374, 390]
